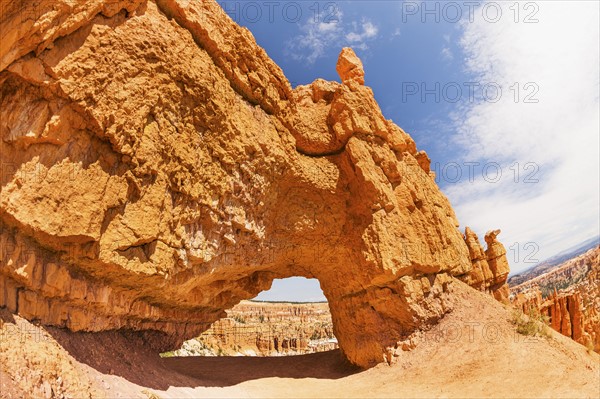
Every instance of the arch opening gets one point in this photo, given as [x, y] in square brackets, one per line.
[292, 317]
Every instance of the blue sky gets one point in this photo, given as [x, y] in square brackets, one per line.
[503, 96]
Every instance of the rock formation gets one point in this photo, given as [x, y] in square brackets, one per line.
[266, 329]
[574, 310]
[158, 168]
[490, 268]
[350, 67]
[568, 273]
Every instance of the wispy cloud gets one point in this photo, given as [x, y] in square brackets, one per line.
[546, 118]
[317, 38]
[362, 32]
[314, 39]
[447, 54]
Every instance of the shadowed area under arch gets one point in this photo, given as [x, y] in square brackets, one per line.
[132, 356]
[228, 370]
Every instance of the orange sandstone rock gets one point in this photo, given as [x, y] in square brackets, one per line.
[490, 268]
[496, 257]
[350, 67]
[158, 169]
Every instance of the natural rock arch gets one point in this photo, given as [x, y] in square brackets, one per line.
[160, 168]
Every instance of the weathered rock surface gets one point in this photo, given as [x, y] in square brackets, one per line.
[158, 167]
[490, 267]
[350, 67]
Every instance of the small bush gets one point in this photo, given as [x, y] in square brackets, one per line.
[533, 324]
[151, 395]
[589, 346]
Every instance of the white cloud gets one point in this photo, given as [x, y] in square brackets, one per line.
[560, 133]
[314, 40]
[353, 37]
[369, 29]
[327, 26]
[447, 54]
[363, 32]
[317, 38]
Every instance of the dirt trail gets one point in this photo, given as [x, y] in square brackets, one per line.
[473, 352]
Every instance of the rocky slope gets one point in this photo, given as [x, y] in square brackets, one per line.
[569, 296]
[158, 168]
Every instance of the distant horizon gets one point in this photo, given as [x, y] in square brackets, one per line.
[292, 302]
[592, 240]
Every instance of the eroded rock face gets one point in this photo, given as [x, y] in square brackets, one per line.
[350, 67]
[157, 168]
[573, 311]
[490, 267]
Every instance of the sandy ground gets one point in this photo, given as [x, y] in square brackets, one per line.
[473, 352]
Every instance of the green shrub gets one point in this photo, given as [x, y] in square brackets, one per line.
[533, 324]
[589, 346]
[151, 395]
